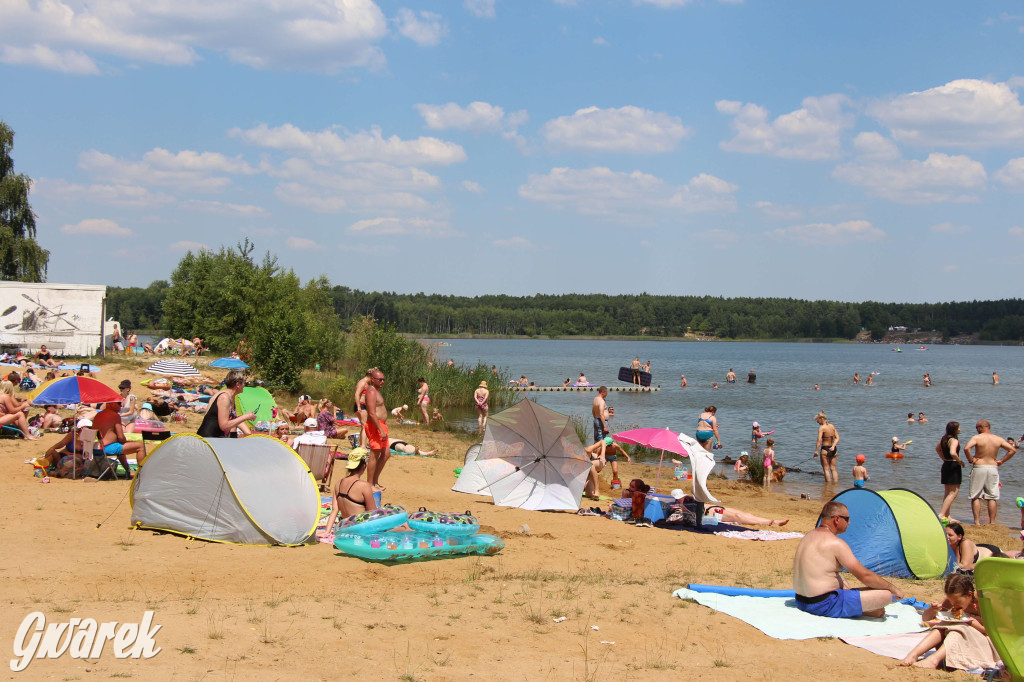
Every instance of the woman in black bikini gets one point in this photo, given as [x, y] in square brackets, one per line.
[966, 551]
[350, 495]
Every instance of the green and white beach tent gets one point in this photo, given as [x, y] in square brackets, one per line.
[252, 491]
[896, 533]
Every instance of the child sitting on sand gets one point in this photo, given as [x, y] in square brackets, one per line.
[769, 461]
[860, 473]
[961, 646]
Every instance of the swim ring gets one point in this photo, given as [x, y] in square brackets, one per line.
[412, 545]
[376, 521]
[894, 455]
[1020, 503]
[445, 524]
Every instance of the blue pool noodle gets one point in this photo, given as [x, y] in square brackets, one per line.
[741, 591]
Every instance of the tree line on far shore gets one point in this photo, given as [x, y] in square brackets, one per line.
[184, 307]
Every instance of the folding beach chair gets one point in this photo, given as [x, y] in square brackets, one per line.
[320, 460]
[1000, 584]
[96, 460]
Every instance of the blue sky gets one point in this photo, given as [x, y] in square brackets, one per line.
[851, 151]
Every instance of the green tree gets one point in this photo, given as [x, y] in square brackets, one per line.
[21, 258]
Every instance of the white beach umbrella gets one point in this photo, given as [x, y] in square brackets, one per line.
[175, 368]
[702, 462]
[531, 458]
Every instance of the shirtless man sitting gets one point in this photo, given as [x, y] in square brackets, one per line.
[109, 430]
[820, 587]
[982, 451]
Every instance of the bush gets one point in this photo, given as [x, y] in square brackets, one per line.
[755, 469]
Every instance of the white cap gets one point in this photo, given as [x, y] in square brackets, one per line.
[756, 425]
[677, 493]
[84, 424]
[309, 423]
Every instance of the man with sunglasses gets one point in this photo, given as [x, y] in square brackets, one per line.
[817, 579]
[376, 428]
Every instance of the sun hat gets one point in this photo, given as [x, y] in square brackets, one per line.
[861, 459]
[356, 457]
[678, 494]
[756, 425]
[309, 423]
[483, 384]
[84, 424]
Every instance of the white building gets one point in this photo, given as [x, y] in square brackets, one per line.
[68, 318]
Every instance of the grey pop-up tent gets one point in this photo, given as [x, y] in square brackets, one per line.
[253, 491]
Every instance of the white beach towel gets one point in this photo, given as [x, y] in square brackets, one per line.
[765, 535]
[778, 617]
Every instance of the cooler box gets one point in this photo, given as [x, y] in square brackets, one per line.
[656, 507]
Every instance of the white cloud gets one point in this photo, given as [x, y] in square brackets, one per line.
[470, 186]
[961, 113]
[938, 178]
[832, 234]
[423, 28]
[482, 9]
[778, 211]
[224, 208]
[114, 195]
[810, 133]
[1012, 174]
[477, 116]
[949, 228]
[718, 239]
[301, 243]
[600, 41]
[420, 227]
[185, 170]
[875, 146]
[189, 246]
[628, 129]
[950, 268]
[601, 191]
[66, 61]
[513, 243]
[1016, 231]
[97, 226]
[328, 146]
[315, 35]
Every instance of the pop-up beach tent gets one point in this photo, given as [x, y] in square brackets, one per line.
[471, 479]
[896, 533]
[253, 491]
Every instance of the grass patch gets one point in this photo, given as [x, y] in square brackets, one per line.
[187, 650]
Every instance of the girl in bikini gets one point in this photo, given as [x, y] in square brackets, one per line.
[825, 447]
[707, 427]
[423, 398]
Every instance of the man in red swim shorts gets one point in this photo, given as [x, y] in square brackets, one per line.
[376, 429]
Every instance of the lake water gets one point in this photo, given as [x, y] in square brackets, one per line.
[867, 417]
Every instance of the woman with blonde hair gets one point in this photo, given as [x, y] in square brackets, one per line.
[12, 410]
[825, 447]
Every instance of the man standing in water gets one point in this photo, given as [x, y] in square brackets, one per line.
[731, 376]
[982, 451]
[817, 580]
[376, 429]
[600, 413]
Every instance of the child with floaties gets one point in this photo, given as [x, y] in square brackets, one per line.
[860, 473]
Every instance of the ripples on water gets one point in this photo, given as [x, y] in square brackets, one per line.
[867, 417]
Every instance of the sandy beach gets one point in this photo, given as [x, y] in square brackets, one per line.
[270, 613]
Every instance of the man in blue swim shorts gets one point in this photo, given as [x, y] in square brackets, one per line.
[819, 585]
[599, 411]
[111, 436]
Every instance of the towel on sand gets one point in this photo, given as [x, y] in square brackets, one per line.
[765, 535]
[778, 617]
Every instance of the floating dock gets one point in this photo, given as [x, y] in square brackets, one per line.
[584, 389]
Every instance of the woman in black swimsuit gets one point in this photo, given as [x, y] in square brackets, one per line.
[350, 495]
[220, 420]
[966, 551]
[952, 466]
